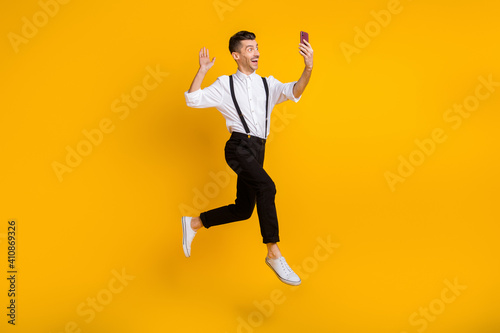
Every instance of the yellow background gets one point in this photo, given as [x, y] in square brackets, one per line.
[121, 207]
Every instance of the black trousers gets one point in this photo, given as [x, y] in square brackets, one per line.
[246, 157]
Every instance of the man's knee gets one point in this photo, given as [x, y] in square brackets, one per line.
[244, 211]
[268, 187]
[245, 215]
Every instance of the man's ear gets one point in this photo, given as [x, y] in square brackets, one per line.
[235, 55]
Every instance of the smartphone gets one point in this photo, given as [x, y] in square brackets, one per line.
[304, 35]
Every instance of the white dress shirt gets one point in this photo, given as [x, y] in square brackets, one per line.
[251, 97]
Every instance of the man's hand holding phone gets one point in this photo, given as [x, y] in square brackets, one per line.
[205, 63]
[306, 50]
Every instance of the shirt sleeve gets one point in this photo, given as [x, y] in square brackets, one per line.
[211, 96]
[282, 91]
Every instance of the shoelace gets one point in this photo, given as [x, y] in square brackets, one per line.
[285, 266]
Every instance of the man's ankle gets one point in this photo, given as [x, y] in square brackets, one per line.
[196, 223]
[272, 256]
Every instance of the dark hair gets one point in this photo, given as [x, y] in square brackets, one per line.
[234, 41]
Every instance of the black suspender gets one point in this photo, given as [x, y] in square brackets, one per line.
[231, 85]
[237, 106]
[267, 103]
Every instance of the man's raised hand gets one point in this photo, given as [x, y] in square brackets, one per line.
[205, 62]
[205, 65]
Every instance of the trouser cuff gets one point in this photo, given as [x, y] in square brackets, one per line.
[274, 239]
[204, 220]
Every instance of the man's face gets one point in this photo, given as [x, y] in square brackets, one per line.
[248, 56]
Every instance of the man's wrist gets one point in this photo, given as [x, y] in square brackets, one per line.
[308, 68]
[203, 70]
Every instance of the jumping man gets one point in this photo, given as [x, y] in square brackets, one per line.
[246, 101]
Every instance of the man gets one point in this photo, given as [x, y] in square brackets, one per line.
[246, 100]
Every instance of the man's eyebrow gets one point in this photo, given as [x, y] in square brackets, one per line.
[246, 47]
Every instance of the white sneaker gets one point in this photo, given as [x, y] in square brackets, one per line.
[283, 271]
[187, 235]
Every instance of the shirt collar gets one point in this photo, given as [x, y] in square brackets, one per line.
[243, 77]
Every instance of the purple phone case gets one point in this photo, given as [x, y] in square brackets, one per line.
[304, 35]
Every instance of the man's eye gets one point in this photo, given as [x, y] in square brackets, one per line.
[250, 50]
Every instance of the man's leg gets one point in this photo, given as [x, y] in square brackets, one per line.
[268, 219]
[242, 208]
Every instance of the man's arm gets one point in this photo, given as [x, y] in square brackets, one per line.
[210, 96]
[306, 51]
[205, 65]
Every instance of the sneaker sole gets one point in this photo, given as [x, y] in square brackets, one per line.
[292, 283]
[184, 239]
